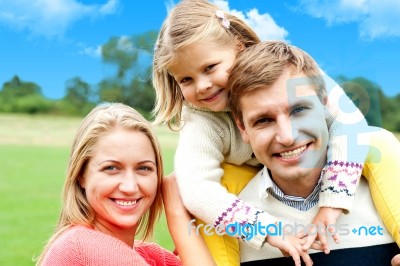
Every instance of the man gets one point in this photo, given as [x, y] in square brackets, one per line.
[280, 111]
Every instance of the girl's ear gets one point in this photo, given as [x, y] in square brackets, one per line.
[239, 46]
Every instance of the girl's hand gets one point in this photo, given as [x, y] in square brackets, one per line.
[325, 219]
[173, 204]
[291, 246]
[396, 260]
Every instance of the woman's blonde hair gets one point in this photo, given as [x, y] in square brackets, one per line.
[261, 66]
[101, 120]
[189, 22]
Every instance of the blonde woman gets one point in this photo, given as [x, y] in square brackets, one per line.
[112, 193]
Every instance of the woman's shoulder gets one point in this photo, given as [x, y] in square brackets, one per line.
[64, 250]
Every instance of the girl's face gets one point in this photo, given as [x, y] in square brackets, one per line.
[120, 180]
[202, 72]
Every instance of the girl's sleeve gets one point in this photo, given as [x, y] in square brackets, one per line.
[347, 149]
[200, 152]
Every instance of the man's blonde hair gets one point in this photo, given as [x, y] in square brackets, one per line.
[261, 66]
[190, 22]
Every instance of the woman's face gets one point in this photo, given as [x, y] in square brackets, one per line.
[120, 180]
[202, 72]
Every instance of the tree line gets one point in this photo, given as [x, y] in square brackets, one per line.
[131, 84]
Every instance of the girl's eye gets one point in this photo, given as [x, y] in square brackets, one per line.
[184, 80]
[210, 67]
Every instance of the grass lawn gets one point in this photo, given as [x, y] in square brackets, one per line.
[33, 158]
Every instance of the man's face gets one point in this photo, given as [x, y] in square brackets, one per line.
[285, 126]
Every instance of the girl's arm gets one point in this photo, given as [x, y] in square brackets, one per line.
[347, 149]
[206, 140]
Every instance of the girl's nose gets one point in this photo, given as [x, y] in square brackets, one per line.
[203, 84]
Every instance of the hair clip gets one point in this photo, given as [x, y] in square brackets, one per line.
[224, 22]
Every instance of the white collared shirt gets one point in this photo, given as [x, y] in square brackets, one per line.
[267, 186]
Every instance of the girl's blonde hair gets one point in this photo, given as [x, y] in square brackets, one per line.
[189, 22]
[261, 66]
[101, 120]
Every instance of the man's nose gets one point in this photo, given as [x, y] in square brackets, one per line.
[285, 134]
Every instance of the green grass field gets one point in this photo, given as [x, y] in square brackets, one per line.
[33, 158]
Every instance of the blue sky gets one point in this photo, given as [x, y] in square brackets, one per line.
[51, 41]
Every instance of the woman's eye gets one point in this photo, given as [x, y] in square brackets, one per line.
[110, 168]
[146, 168]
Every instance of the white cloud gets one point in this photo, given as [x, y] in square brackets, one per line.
[125, 44]
[50, 17]
[91, 51]
[375, 18]
[263, 24]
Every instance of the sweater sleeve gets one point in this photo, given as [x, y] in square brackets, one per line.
[156, 255]
[203, 144]
[347, 149]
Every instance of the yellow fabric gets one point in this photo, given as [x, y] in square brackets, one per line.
[225, 249]
[382, 170]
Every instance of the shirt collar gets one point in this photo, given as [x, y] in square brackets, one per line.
[267, 186]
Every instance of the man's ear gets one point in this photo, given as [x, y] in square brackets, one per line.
[242, 130]
[325, 100]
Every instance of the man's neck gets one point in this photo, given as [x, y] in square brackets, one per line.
[301, 187]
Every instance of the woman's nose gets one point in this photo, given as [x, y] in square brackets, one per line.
[129, 182]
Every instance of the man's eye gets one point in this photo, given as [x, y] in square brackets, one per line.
[299, 109]
[263, 121]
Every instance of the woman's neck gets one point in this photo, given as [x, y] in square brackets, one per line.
[125, 235]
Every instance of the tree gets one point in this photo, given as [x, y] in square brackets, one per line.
[132, 83]
[22, 97]
[77, 99]
[366, 96]
[18, 88]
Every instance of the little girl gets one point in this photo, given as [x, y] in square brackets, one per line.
[196, 47]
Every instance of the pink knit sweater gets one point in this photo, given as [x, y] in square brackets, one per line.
[80, 245]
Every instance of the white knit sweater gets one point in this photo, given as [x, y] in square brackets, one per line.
[363, 215]
[209, 138]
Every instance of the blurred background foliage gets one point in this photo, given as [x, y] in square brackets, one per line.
[131, 84]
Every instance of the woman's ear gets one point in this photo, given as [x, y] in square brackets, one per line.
[81, 181]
